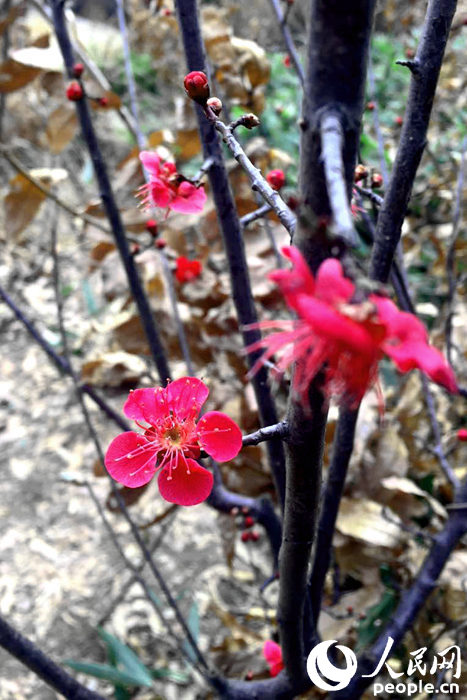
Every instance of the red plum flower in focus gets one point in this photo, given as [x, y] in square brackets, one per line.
[273, 655]
[167, 189]
[346, 339]
[172, 440]
[186, 269]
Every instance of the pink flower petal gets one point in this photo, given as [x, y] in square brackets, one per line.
[130, 459]
[150, 161]
[187, 484]
[417, 355]
[326, 322]
[185, 397]
[189, 199]
[219, 436]
[146, 404]
[331, 285]
[399, 324]
[297, 280]
[160, 194]
[273, 655]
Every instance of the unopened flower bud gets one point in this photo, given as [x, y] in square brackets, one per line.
[249, 676]
[249, 521]
[215, 104]
[104, 101]
[409, 53]
[292, 202]
[254, 536]
[249, 121]
[245, 536]
[376, 181]
[135, 248]
[276, 179]
[462, 434]
[197, 86]
[160, 243]
[78, 69]
[287, 61]
[370, 106]
[151, 227]
[74, 91]
[398, 120]
[360, 172]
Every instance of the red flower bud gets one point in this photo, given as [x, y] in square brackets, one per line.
[249, 521]
[409, 53]
[160, 243]
[376, 181]
[292, 202]
[215, 104]
[276, 179]
[254, 536]
[78, 69]
[166, 12]
[360, 172]
[249, 676]
[287, 61]
[135, 248]
[462, 434]
[245, 536]
[151, 227]
[370, 106]
[104, 101]
[74, 91]
[349, 609]
[197, 86]
[398, 120]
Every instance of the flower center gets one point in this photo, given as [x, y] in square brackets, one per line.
[173, 435]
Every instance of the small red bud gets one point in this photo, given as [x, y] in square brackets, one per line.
[151, 227]
[166, 12]
[215, 104]
[409, 53]
[254, 536]
[104, 101]
[245, 510]
[362, 616]
[349, 609]
[78, 69]
[135, 248]
[74, 91]
[462, 434]
[376, 181]
[160, 243]
[234, 511]
[249, 676]
[249, 521]
[197, 86]
[360, 173]
[398, 120]
[287, 61]
[245, 536]
[276, 179]
[370, 106]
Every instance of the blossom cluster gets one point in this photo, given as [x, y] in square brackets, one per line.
[167, 188]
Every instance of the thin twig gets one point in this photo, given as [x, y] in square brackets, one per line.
[376, 123]
[423, 84]
[259, 213]
[116, 493]
[233, 239]
[289, 42]
[42, 665]
[182, 339]
[258, 182]
[110, 205]
[450, 256]
[48, 192]
[270, 432]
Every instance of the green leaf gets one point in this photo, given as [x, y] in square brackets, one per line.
[376, 618]
[193, 626]
[121, 655]
[107, 673]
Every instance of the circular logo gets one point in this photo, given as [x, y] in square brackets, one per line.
[321, 670]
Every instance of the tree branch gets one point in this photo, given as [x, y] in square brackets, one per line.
[109, 203]
[429, 58]
[42, 665]
[289, 42]
[232, 236]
